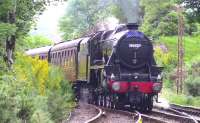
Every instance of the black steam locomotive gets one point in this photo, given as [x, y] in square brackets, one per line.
[115, 67]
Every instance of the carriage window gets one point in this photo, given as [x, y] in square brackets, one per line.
[62, 53]
[59, 55]
[68, 53]
[71, 52]
[65, 53]
[74, 51]
[56, 55]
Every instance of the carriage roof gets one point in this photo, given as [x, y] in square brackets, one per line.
[37, 51]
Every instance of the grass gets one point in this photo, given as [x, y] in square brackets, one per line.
[191, 46]
[181, 99]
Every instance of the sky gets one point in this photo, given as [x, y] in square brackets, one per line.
[47, 24]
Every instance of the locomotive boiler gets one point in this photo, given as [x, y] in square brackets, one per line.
[115, 67]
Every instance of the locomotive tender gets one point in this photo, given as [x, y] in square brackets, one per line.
[116, 67]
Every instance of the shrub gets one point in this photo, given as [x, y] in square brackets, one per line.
[40, 116]
[192, 85]
[8, 105]
[164, 58]
[182, 99]
[35, 92]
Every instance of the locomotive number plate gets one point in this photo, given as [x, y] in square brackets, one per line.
[135, 45]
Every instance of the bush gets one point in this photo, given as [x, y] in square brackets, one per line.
[192, 86]
[182, 99]
[39, 116]
[35, 92]
[164, 58]
[8, 105]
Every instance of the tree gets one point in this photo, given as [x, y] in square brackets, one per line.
[159, 17]
[16, 19]
[79, 17]
[193, 7]
[16, 16]
[82, 16]
[30, 42]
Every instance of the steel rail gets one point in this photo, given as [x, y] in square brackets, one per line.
[187, 109]
[136, 116]
[95, 117]
[69, 116]
[191, 112]
[171, 117]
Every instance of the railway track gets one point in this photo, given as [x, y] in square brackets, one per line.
[84, 113]
[117, 116]
[158, 115]
[170, 117]
[193, 112]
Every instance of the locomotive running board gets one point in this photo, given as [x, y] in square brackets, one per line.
[97, 67]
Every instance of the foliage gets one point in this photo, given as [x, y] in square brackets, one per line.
[161, 18]
[16, 18]
[164, 58]
[193, 79]
[82, 15]
[116, 11]
[27, 93]
[30, 42]
[8, 108]
[192, 85]
[193, 7]
[6, 29]
[166, 55]
[160, 21]
[168, 24]
[182, 99]
[157, 15]
[40, 116]
[191, 46]
[167, 60]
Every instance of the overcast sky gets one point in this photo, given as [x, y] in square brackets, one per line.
[47, 24]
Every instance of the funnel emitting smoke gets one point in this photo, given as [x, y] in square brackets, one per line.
[130, 9]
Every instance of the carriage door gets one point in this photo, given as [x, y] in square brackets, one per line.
[83, 60]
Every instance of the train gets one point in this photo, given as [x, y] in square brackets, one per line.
[114, 68]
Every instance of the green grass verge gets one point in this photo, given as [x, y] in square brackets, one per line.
[181, 99]
[191, 46]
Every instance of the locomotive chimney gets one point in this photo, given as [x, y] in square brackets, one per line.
[133, 26]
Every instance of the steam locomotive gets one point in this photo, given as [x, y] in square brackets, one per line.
[115, 67]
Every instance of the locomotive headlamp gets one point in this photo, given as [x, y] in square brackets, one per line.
[112, 76]
[116, 86]
[157, 87]
[159, 77]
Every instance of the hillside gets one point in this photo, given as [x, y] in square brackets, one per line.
[191, 68]
[191, 46]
